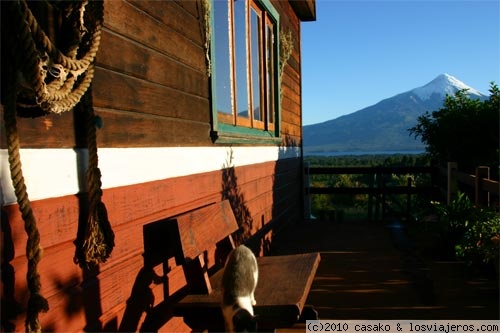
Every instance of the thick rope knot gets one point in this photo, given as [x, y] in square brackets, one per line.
[100, 239]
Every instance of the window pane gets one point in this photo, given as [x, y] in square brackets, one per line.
[245, 73]
[240, 36]
[222, 56]
[270, 71]
[255, 58]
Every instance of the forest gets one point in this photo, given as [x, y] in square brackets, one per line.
[348, 206]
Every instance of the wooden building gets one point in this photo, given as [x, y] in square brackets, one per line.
[193, 102]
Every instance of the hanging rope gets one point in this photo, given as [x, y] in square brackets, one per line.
[43, 77]
[99, 237]
[36, 303]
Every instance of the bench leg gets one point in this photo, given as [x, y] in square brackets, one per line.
[308, 313]
[196, 276]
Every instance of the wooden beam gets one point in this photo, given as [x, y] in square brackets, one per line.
[305, 9]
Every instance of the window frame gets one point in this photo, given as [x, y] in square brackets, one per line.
[231, 128]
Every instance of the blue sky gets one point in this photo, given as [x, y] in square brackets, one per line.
[359, 52]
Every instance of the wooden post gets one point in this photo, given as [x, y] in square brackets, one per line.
[377, 196]
[408, 199]
[452, 181]
[370, 198]
[307, 195]
[482, 197]
[382, 196]
[435, 193]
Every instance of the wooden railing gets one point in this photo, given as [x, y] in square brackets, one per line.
[481, 189]
[377, 188]
[444, 183]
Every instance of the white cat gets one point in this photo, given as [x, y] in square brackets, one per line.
[238, 287]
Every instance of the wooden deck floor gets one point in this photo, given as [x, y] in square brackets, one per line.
[368, 272]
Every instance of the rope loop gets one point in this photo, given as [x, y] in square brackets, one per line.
[68, 74]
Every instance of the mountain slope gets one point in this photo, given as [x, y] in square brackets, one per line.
[383, 126]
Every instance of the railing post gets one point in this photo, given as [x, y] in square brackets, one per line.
[380, 207]
[382, 197]
[435, 192]
[408, 198]
[481, 196]
[370, 197]
[452, 181]
[307, 195]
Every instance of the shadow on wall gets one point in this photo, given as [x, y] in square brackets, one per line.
[231, 192]
[288, 196]
[77, 294]
[141, 301]
[9, 307]
[158, 249]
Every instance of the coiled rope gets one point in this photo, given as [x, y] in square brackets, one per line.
[44, 77]
[58, 81]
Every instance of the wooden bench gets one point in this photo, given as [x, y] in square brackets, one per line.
[284, 281]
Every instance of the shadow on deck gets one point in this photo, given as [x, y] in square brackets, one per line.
[370, 270]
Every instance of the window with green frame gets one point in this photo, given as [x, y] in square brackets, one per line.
[245, 78]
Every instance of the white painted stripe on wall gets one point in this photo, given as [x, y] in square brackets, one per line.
[57, 172]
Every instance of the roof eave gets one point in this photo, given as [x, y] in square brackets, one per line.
[305, 9]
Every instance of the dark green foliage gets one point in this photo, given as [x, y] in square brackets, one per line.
[464, 130]
[356, 206]
[368, 160]
[471, 231]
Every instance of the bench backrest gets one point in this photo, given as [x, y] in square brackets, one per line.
[198, 231]
[201, 228]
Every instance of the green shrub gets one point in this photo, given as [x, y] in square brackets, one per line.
[471, 230]
[478, 243]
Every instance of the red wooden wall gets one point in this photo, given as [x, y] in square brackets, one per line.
[151, 90]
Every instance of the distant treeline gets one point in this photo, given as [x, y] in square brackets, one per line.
[355, 206]
[368, 160]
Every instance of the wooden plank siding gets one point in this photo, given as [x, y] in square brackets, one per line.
[148, 76]
[143, 81]
[150, 90]
[264, 195]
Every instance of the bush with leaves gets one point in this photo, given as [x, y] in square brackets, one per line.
[452, 220]
[472, 231]
[464, 130]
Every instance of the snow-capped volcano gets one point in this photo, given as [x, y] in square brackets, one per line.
[444, 84]
[384, 126]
